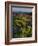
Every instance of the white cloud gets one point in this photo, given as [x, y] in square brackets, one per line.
[17, 9]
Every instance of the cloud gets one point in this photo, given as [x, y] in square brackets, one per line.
[17, 9]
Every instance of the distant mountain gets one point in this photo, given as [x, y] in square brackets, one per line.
[30, 13]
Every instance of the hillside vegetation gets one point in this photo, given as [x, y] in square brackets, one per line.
[22, 25]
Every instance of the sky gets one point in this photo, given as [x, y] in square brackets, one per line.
[17, 9]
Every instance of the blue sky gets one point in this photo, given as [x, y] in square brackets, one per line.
[17, 9]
